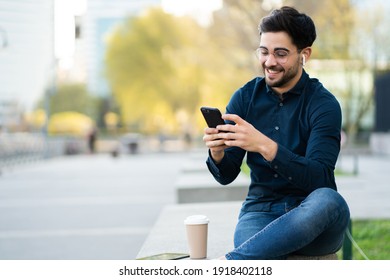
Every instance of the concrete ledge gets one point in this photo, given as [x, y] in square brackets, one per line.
[169, 236]
[196, 184]
[380, 143]
[201, 187]
[195, 164]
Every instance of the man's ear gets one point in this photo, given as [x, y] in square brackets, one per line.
[306, 52]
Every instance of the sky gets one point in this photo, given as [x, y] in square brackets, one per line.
[64, 12]
[200, 9]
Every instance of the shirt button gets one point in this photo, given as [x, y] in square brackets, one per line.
[290, 178]
[276, 167]
[276, 127]
[281, 104]
[276, 175]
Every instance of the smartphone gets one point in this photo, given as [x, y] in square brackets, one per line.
[166, 256]
[212, 116]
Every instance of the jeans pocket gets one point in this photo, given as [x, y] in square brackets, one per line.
[291, 204]
[255, 207]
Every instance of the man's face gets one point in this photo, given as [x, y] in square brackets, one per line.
[280, 61]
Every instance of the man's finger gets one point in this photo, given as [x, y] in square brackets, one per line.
[234, 118]
[210, 130]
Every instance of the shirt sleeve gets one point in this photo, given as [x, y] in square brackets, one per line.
[228, 169]
[316, 168]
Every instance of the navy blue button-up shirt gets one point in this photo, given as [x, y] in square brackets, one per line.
[305, 124]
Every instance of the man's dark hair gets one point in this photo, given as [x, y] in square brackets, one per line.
[298, 26]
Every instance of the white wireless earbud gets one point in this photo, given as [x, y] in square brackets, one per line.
[303, 60]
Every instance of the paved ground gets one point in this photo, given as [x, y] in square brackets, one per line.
[368, 192]
[99, 207]
[84, 207]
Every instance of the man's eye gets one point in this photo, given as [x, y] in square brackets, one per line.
[281, 54]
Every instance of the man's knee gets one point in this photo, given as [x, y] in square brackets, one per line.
[331, 200]
[327, 195]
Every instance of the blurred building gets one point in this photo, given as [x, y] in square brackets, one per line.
[10, 115]
[380, 138]
[101, 18]
[73, 69]
[26, 53]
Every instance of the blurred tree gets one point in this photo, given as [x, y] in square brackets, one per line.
[140, 68]
[369, 45]
[73, 97]
[235, 31]
[335, 22]
[162, 68]
[236, 25]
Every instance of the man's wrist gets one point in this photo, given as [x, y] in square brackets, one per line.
[269, 150]
[217, 156]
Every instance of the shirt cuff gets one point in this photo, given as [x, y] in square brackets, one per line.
[281, 162]
[212, 165]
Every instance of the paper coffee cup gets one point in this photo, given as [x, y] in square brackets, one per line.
[197, 227]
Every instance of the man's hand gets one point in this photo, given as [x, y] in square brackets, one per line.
[214, 143]
[243, 135]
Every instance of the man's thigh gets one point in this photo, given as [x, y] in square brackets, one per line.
[251, 223]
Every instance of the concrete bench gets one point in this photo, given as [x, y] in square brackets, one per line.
[197, 187]
[196, 162]
[169, 236]
[196, 184]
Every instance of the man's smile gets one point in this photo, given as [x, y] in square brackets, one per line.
[273, 72]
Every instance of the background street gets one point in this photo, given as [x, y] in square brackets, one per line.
[84, 207]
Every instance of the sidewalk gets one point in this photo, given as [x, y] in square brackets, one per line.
[368, 192]
[84, 207]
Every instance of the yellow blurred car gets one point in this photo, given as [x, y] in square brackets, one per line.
[70, 123]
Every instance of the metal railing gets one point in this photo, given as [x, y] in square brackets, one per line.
[22, 148]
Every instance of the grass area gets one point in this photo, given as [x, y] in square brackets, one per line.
[245, 168]
[373, 238]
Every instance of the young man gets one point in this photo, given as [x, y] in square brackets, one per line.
[288, 127]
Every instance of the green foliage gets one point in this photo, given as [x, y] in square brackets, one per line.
[373, 237]
[163, 68]
[73, 97]
[142, 71]
[70, 97]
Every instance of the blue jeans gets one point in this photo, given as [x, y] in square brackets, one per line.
[315, 226]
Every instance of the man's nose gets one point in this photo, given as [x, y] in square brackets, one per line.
[271, 60]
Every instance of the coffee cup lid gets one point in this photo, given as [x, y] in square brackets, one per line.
[196, 220]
